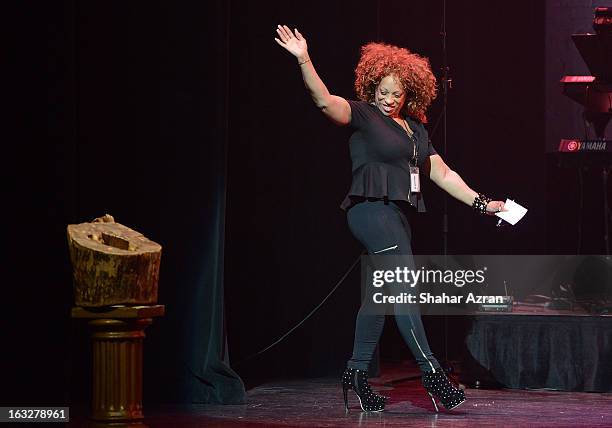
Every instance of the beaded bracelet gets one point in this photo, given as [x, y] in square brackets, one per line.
[480, 203]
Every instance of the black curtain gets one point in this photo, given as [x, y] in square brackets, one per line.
[194, 119]
[120, 108]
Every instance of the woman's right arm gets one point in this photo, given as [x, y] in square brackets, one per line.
[336, 108]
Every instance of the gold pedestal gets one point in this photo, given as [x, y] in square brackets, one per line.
[117, 337]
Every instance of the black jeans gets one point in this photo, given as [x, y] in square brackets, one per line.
[383, 229]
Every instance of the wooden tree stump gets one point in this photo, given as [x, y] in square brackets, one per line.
[112, 264]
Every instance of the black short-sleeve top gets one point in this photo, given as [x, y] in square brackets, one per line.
[382, 153]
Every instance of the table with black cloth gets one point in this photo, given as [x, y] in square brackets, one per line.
[528, 348]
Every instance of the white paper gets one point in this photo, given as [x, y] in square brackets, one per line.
[514, 212]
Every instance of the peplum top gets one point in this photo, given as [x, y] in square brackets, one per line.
[381, 154]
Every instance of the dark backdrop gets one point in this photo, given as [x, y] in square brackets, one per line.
[188, 123]
[289, 167]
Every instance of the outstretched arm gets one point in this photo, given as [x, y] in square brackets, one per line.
[336, 108]
[449, 181]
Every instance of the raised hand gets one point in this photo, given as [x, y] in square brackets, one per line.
[294, 43]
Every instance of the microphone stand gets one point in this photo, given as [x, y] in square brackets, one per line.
[447, 82]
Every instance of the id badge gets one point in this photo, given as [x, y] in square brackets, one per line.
[415, 183]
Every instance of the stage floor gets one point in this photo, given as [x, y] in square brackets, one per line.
[318, 403]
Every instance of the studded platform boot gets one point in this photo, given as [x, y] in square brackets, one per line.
[439, 387]
[357, 380]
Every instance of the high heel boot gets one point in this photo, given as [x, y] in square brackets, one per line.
[439, 387]
[357, 380]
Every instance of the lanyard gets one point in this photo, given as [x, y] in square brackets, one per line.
[415, 149]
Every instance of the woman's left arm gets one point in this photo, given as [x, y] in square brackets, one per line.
[451, 182]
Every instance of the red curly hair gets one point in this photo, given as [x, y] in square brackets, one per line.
[379, 60]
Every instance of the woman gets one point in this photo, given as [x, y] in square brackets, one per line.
[389, 149]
